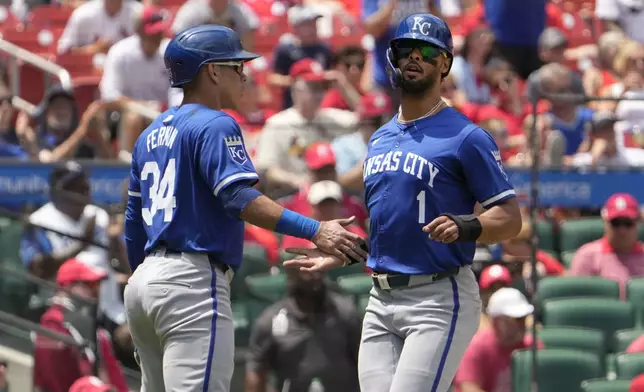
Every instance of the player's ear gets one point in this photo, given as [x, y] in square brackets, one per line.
[213, 72]
[445, 66]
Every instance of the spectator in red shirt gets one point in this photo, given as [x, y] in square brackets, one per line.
[348, 67]
[57, 366]
[90, 384]
[486, 364]
[636, 346]
[618, 255]
[325, 202]
[320, 159]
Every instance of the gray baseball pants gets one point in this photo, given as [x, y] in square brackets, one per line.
[413, 338]
[178, 310]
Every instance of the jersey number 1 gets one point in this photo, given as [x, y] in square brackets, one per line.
[421, 207]
[161, 191]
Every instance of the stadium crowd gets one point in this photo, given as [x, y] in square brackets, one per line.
[311, 104]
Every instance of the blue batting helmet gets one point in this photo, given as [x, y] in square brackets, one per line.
[189, 50]
[422, 27]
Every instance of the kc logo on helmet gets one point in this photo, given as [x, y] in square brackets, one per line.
[236, 149]
[420, 26]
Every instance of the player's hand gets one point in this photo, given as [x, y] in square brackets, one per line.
[335, 240]
[314, 260]
[442, 229]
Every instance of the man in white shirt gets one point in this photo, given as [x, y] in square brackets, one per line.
[71, 213]
[135, 70]
[98, 24]
[281, 145]
[605, 150]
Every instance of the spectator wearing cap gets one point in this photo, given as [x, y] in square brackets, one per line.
[566, 116]
[622, 15]
[304, 43]
[234, 14]
[555, 48]
[281, 145]
[605, 150]
[134, 70]
[57, 132]
[348, 68]
[91, 384]
[351, 149]
[321, 163]
[58, 366]
[96, 25]
[492, 278]
[325, 201]
[70, 212]
[486, 365]
[618, 255]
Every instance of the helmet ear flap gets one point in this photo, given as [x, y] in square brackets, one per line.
[395, 75]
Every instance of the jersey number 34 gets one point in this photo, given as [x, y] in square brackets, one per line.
[161, 192]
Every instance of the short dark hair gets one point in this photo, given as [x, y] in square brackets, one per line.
[346, 52]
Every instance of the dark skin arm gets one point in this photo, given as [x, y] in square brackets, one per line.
[500, 222]
[331, 237]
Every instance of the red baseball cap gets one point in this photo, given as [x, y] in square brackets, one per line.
[374, 104]
[318, 155]
[637, 384]
[308, 70]
[73, 271]
[154, 20]
[90, 384]
[493, 274]
[621, 205]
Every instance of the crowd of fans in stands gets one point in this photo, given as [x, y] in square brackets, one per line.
[310, 109]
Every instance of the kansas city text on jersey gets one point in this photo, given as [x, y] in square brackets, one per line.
[412, 164]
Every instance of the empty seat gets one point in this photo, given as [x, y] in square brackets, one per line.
[575, 233]
[576, 286]
[49, 15]
[625, 337]
[358, 284]
[607, 315]
[635, 295]
[604, 385]
[558, 370]
[338, 273]
[546, 235]
[269, 287]
[629, 365]
[254, 261]
[585, 339]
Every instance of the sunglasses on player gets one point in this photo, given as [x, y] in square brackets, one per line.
[402, 49]
[622, 222]
[238, 66]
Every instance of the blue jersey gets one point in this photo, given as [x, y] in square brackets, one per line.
[418, 170]
[180, 163]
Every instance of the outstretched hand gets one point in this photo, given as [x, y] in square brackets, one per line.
[314, 260]
[333, 239]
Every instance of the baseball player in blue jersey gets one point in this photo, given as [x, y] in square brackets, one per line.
[191, 189]
[424, 173]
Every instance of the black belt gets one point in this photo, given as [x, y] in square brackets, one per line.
[214, 261]
[386, 281]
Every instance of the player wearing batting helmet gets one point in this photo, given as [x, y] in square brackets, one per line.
[424, 172]
[190, 191]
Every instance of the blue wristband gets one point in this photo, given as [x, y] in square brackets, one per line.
[296, 225]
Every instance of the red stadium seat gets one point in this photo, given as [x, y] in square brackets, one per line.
[347, 30]
[33, 40]
[85, 77]
[50, 16]
[269, 33]
[7, 19]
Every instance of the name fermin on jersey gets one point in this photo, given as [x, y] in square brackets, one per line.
[162, 136]
[412, 164]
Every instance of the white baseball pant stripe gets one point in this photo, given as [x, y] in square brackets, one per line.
[178, 310]
[413, 338]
